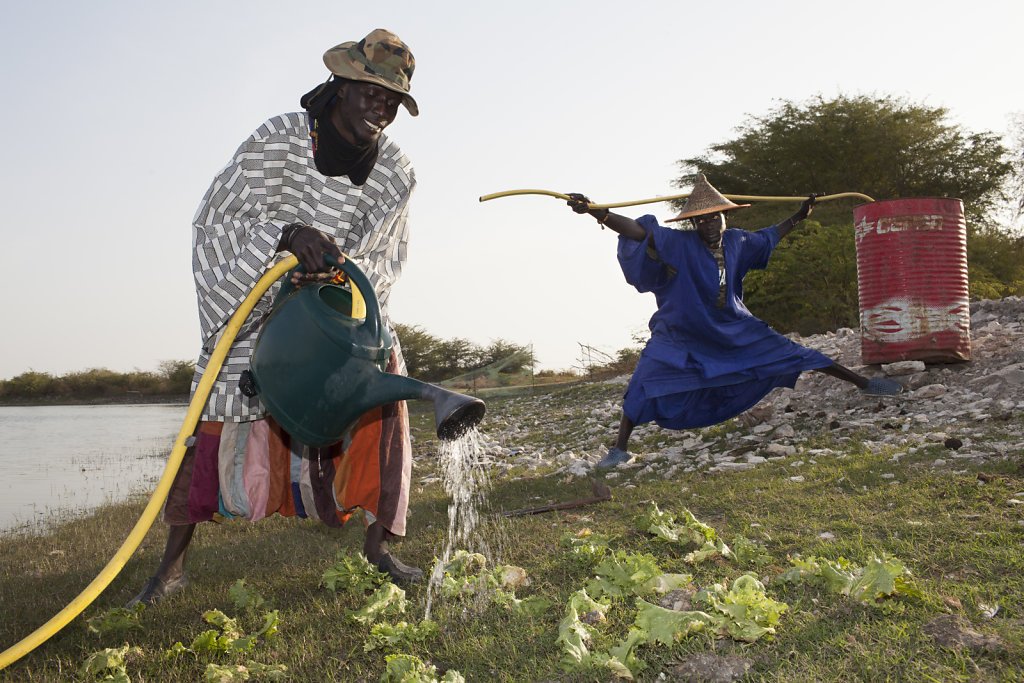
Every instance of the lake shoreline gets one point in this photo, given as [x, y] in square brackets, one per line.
[127, 400]
[61, 459]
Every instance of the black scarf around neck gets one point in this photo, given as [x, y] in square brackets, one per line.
[333, 154]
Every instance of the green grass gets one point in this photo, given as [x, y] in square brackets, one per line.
[955, 531]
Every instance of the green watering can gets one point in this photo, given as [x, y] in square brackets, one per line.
[317, 369]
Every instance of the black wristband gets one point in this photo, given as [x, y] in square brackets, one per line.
[287, 235]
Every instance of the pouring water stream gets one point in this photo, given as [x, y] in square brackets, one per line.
[465, 479]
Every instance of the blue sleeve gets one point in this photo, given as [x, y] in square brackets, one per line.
[640, 269]
[757, 248]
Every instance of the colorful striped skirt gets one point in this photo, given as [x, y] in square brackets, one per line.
[254, 469]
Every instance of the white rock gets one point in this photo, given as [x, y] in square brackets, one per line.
[724, 466]
[903, 367]
[780, 450]
[797, 479]
[580, 468]
[675, 454]
[784, 431]
[930, 391]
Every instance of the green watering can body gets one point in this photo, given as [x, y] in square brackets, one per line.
[318, 370]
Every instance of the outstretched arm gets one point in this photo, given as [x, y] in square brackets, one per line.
[627, 227]
[806, 207]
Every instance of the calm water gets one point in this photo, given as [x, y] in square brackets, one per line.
[70, 459]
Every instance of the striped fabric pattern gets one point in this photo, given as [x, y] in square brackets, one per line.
[270, 183]
[252, 470]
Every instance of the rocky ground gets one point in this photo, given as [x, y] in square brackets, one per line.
[964, 408]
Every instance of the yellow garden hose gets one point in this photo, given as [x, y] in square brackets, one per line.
[195, 409]
[734, 197]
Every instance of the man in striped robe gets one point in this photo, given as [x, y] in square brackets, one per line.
[322, 181]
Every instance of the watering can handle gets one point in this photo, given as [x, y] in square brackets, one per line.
[361, 283]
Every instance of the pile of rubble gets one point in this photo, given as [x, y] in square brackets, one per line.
[966, 409]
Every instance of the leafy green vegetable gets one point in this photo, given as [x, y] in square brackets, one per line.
[243, 598]
[387, 600]
[530, 607]
[691, 531]
[177, 650]
[353, 573]
[623, 573]
[463, 562]
[586, 545]
[749, 553]
[410, 669]
[498, 584]
[666, 626]
[749, 612]
[573, 633]
[270, 621]
[117, 620]
[222, 621]
[504, 576]
[209, 641]
[876, 584]
[663, 583]
[230, 638]
[108, 664]
[229, 673]
[384, 636]
[622, 659]
[510, 576]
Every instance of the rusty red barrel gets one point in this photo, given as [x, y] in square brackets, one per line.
[912, 280]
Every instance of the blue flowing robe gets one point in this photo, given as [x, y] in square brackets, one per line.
[704, 364]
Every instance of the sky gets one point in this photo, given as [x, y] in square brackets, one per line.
[118, 114]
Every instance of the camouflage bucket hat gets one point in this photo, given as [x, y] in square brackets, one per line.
[381, 58]
[704, 199]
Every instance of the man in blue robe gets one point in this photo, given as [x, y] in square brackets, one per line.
[708, 358]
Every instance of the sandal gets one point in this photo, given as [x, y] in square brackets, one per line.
[156, 590]
[615, 457]
[880, 386]
[398, 570]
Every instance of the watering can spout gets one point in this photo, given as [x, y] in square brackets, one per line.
[454, 413]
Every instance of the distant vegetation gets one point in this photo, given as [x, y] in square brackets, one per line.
[455, 363]
[432, 359]
[465, 366]
[172, 379]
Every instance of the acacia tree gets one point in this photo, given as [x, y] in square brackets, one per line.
[418, 349]
[883, 147]
[431, 359]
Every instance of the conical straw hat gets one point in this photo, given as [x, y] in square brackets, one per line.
[703, 200]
